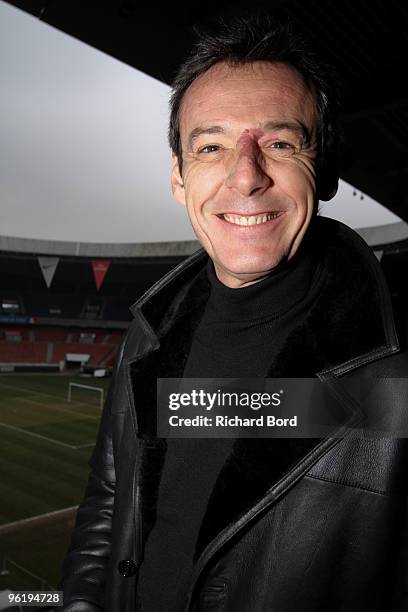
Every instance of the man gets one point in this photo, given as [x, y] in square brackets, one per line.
[249, 525]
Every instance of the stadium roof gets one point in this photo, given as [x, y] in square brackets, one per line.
[85, 162]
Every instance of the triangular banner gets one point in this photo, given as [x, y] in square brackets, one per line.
[378, 254]
[100, 268]
[48, 266]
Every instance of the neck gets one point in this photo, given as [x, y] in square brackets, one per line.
[276, 292]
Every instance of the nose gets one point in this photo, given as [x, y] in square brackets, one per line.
[246, 173]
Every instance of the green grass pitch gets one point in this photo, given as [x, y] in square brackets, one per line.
[45, 445]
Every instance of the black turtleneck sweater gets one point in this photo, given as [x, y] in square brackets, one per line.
[239, 335]
[243, 329]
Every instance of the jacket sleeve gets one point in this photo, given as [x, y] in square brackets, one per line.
[85, 564]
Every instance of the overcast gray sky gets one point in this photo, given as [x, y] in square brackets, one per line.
[84, 154]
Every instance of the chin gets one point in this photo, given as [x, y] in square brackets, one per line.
[240, 264]
[244, 270]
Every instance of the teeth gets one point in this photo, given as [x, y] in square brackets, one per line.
[252, 220]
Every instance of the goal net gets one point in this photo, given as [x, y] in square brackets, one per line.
[86, 394]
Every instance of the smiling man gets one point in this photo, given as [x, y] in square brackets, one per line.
[249, 180]
[250, 524]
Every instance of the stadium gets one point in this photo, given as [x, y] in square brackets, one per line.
[76, 254]
[57, 350]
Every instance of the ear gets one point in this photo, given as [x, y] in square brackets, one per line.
[177, 184]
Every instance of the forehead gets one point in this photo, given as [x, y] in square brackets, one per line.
[247, 95]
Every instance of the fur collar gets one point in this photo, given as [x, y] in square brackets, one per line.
[350, 324]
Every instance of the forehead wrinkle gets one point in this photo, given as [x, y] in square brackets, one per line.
[259, 106]
[244, 99]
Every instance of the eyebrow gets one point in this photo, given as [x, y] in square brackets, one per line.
[299, 128]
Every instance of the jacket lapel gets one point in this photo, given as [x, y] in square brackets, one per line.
[175, 329]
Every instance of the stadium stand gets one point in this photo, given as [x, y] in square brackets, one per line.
[40, 326]
[23, 352]
[49, 334]
[47, 345]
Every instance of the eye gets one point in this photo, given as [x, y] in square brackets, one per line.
[209, 149]
[281, 148]
[282, 145]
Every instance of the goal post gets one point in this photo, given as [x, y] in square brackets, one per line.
[89, 388]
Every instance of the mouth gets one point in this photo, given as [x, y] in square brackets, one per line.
[250, 220]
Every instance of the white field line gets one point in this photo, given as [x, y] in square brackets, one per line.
[35, 392]
[85, 445]
[35, 519]
[81, 416]
[35, 435]
[27, 390]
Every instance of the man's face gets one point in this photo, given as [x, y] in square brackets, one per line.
[248, 138]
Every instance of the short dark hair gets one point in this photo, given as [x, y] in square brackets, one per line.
[264, 37]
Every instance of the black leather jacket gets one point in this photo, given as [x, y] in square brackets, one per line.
[293, 524]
